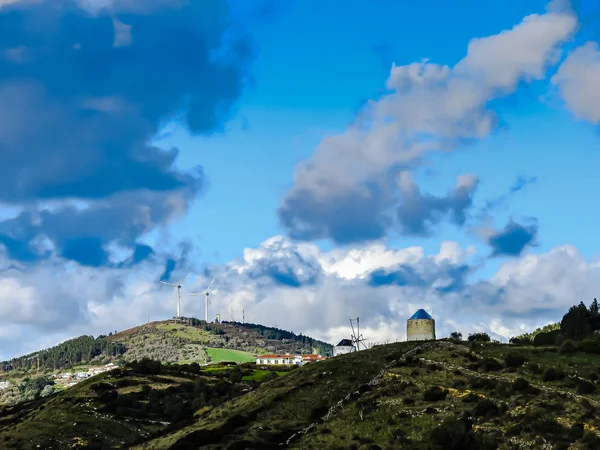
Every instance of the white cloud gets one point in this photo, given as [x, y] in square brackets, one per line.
[347, 187]
[578, 80]
[383, 286]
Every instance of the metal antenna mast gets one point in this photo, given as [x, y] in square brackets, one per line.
[357, 338]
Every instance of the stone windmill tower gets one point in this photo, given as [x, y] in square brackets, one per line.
[420, 327]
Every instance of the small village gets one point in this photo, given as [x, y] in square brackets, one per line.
[72, 378]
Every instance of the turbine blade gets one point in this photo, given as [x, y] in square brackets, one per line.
[184, 278]
[168, 284]
[211, 283]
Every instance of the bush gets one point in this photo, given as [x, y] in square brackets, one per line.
[521, 384]
[434, 394]
[534, 368]
[591, 345]
[485, 408]
[585, 387]
[479, 337]
[547, 338]
[567, 348]
[553, 374]
[490, 365]
[514, 359]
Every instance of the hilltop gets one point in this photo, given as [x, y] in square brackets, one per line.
[432, 395]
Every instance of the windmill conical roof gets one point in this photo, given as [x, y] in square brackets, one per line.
[421, 314]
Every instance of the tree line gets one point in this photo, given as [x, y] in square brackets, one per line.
[67, 354]
[578, 324]
[277, 334]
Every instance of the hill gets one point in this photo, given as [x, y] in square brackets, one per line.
[185, 341]
[434, 395]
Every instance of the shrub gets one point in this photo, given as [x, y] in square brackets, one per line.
[585, 387]
[534, 368]
[434, 394]
[591, 345]
[553, 374]
[546, 338]
[485, 408]
[490, 365]
[479, 337]
[514, 359]
[567, 348]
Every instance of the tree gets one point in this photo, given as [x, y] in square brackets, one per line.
[576, 324]
[456, 336]
[595, 315]
[479, 337]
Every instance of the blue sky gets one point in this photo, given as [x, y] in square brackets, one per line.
[313, 70]
[369, 160]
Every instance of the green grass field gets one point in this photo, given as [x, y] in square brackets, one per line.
[223, 354]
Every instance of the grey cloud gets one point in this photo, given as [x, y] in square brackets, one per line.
[85, 86]
[578, 81]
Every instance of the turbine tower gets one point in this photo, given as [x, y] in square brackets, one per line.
[207, 300]
[177, 287]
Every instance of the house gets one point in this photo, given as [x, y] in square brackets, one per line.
[82, 375]
[312, 358]
[344, 346]
[276, 359]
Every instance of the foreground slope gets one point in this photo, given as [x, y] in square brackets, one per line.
[124, 406]
[427, 396]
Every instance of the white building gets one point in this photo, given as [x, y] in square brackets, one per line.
[276, 359]
[344, 346]
[81, 375]
[420, 327]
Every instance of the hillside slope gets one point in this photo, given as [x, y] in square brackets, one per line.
[434, 395]
[124, 406]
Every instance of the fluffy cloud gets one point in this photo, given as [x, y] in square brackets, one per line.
[578, 80]
[299, 287]
[84, 88]
[349, 189]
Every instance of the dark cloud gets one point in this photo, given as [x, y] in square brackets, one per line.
[520, 183]
[401, 276]
[352, 218]
[82, 95]
[512, 240]
[418, 212]
[444, 278]
[364, 214]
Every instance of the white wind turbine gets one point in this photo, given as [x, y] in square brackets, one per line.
[207, 300]
[178, 290]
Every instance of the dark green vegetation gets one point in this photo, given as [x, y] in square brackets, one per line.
[130, 404]
[435, 395]
[580, 323]
[438, 395]
[68, 354]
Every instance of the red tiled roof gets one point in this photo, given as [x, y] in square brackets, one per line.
[313, 357]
